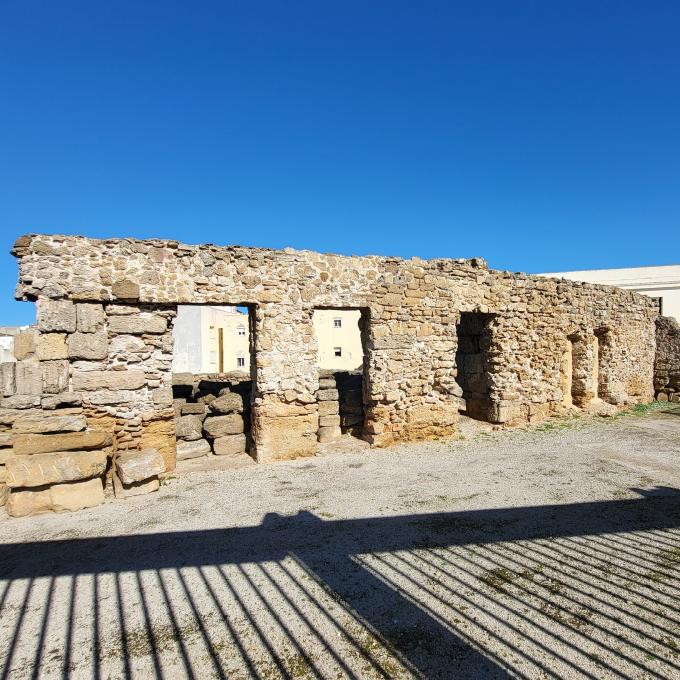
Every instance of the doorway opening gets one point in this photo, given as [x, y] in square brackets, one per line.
[341, 337]
[584, 369]
[472, 362]
[212, 383]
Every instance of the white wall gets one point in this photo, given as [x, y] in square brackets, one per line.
[6, 349]
[662, 281]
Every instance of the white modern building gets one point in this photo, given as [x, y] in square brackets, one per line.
[661, 283]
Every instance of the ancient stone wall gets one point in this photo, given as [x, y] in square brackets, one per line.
[667, 361]
[106, 307]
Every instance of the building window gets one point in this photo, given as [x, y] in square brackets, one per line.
[337, 351]
[337, 323]
[240, 330]
[240, 362]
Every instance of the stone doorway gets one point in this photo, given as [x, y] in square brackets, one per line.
[212, 385]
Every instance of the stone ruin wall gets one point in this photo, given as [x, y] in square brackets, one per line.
[667, 363]
[103, 346]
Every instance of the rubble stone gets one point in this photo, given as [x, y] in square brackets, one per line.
[230, 445]
[51, 468]
[137, 466]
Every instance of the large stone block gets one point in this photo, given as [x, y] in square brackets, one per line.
[4, 494]
[54, 376]
[28, 377]
[64, 399]
[327, 395]
[70, 441]
[137, 466]
[329, 421]
[281, 437]
[136, 488]
[56, 315]
[189, 428]
[328, 408]
[138, 324]
[160, 435]
[8, 385]
[91, 346]
[89, 317]
[230, 445]
[87, 381]
[52, 468]
[20, 401]
[44, 424]
[51, 346]
[230, 402]
[220, 426]
[192, 449]
[24, 345]
[57, 498]
[328, 434]
[125, 290]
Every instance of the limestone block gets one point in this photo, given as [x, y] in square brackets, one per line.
[88, 345]
[192, 449]
[127, 344]
[57, 498]
[136, 466]
[20, 401]
[89, 317]
[54, 376]
[189, 428]
[56, 315]
[8, 385]
[125, 290]
[327, 395]
[70, 441]
[4, 494]
[28, 377]
[110, 397]
[160, 435]
[24, 345]
[84, 381]
[329, 421]
[184, 379]
[281, 436]
[230, 402]
[6, 439]
[162, 396]
[327, 383]
[328, 408]
[43, 424]
[197, 409]
[65, 398]
[51, 346]
[220, 426]
[52, 468]
[136, 488]
[328, 434]
[138, 324]
[230, 445]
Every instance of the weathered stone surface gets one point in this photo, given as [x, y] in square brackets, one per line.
[328, 408]
[125, 290]
[197, 409]
[327, 383]
[70, 441]
[189, 428]
[24, 345]
[160, 435]
[84, 381]
[138, 488]
[137, 324]
[51, 468]
[220, 426]
[230, 445]
[92, 345]
[327, 395]
[54, 376]
[89, 317]
[56, 315]
[192, 449]
[64, 399]
[330, 421]
[8, 384]
[328, 434]
[137, 466]
[47, 423]
[56, 498]
[20, 401]
[4, 494]
[6, 439]
[28, 377]
[184, 379]
[227, 403]
[51, 346]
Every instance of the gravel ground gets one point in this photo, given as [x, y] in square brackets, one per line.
[547, 553]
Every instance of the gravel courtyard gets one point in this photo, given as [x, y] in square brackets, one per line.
[547, 553]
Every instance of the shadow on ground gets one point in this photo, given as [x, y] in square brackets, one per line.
[580, 590]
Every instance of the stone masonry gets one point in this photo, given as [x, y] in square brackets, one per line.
[104, 346]
[667, 364]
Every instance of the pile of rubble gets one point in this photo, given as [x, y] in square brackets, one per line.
[212, 416]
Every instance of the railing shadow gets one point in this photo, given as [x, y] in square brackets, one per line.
[580, 590]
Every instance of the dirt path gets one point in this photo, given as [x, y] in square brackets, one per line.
[550, 553]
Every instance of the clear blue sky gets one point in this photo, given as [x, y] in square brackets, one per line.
[539, 135]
